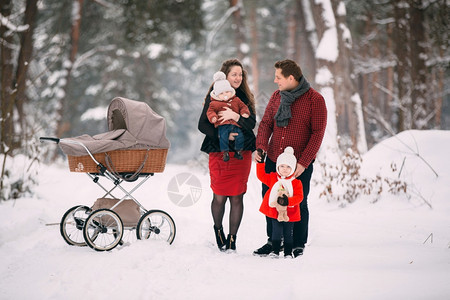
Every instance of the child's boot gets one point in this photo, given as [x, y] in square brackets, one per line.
[226, 156]
[238, 155]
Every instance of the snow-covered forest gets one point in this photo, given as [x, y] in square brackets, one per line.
[379, 226]
[382, 67]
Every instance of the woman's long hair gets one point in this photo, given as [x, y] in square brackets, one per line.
[226, 67]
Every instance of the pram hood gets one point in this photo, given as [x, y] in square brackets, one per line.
[131, 124]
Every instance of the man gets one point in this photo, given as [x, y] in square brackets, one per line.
[295, 116]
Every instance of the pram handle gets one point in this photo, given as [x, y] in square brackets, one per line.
[43, 138]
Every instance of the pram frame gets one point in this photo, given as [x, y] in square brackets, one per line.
[117, 229]
[117, 183]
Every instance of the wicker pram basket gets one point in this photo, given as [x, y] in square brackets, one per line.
[124, 161]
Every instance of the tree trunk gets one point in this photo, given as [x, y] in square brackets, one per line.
[419, 108]
[306, 42]
[13, 87]
[6, 99]
[77, 10]
[365, 75]
[439, 99]
[344, 87]
[439, 70]
[401, 56]
[25, 55]
[255, 50]
[239, 29]
[290, 49]
[330, 146]
[350, 123]
[389, 76]
[7, 84]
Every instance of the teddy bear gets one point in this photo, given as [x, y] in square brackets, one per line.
[281, 205]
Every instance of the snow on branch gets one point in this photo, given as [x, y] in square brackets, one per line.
[79, 61]
[386, 90]
[376, 114]
[310, 24]
[361, 144]
[104, 3]
[327, 13]
[218, 25]
[8, 24]
[328, 48]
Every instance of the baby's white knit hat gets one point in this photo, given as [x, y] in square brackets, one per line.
[287, 158]
[221, 84]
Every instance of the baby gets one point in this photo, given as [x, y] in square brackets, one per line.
[222, 96]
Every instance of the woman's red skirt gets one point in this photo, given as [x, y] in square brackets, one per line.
[229, 178]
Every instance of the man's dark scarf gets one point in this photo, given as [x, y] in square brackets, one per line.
[284, 114]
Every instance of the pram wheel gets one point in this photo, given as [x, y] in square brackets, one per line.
[156, 225]
[71, 226]
[103, 230]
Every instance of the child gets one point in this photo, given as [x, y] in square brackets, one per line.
[281, 202]
[223, 95]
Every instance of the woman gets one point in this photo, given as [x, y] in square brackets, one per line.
[229, 179]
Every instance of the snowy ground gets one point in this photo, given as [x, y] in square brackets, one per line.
[396, 248]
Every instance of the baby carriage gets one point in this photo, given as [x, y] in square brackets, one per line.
[134, 148]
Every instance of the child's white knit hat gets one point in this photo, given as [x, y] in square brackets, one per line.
[287, 158]
[221, 84]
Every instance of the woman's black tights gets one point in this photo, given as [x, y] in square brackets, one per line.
[236, 211]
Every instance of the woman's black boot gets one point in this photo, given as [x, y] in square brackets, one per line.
[288, 250]
[231, 242]
[276, 245]
[220, 237]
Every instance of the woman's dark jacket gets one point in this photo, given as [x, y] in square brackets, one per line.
[211, 141]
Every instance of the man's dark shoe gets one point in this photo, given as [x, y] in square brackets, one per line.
[298, 251]
[287, 250]
[265, 250]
